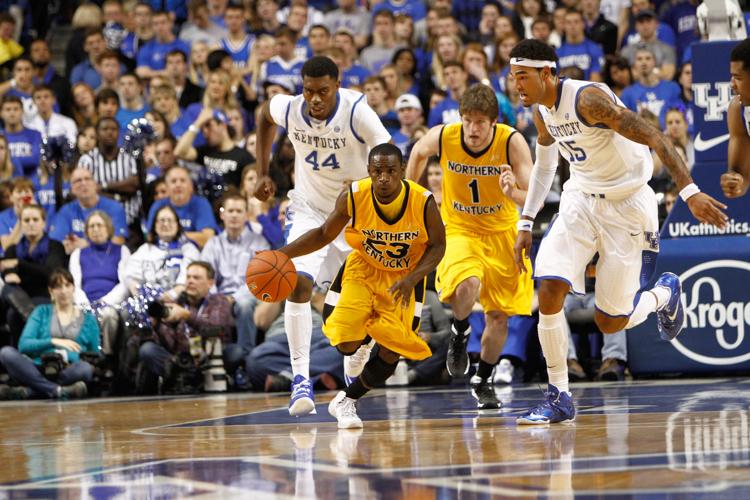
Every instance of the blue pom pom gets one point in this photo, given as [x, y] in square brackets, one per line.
[140, 134]
[56, 149]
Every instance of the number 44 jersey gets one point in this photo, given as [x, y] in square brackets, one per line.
[602, 162]
[328, 153]
[472, 198]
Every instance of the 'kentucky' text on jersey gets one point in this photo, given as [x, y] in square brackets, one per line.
[392, 245]
[472, 197]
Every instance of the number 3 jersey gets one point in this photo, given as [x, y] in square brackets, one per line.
[388, 244]
[601, 160]
[332, 152]
[472, 197]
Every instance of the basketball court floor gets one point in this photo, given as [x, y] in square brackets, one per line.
[660, 438]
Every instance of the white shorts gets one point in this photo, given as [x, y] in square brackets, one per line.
[320, 266]
[624, 232]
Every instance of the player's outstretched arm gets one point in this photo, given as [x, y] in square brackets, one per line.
[427, 146]
[736, 181]
[266, 131]
[401, 290]
[597, 108]
[317, 238]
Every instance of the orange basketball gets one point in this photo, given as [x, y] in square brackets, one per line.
[271, 276]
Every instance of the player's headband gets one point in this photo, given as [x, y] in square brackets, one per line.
[532, 63]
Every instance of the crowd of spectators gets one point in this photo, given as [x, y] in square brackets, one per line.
[142, 258]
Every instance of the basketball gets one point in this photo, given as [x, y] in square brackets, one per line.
[271, 276]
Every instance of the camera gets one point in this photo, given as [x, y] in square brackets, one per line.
[157, 310]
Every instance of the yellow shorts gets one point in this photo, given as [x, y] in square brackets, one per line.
[363, 306]
[490, 258]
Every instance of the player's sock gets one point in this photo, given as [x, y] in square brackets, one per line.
[298, 325]
[484, 371]
[553, 336]
[461, 325]
[649, 301]
[375, 374]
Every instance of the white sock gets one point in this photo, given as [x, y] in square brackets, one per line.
[649, 301]
[298, 325]
[553, 336]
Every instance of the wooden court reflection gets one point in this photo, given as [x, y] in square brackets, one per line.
[681, 437]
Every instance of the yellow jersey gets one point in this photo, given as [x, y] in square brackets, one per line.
[472, 197]
[389, 244]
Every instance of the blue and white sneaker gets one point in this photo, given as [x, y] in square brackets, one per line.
[557, 408]
[302, 401]
[671, 317]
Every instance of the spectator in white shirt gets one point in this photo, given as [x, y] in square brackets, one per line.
[47, 122]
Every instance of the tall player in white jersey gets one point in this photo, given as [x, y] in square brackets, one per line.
[606, 207]
[332, 131]
[736, 181]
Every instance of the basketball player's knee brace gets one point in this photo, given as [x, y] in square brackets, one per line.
[376, 372]
[366, 340]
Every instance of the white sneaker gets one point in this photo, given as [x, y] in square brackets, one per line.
[354, 364]
[345, 411]
[504, 372]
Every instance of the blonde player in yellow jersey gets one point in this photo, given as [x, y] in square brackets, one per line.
[486, 167]
[397, 238]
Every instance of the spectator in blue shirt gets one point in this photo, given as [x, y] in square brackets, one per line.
[152, 57]
[650, 91]
[457, 80]
[415, 10]
[409, 111]
[69, 224]
[24, 144]
[21, 194]
[195, 213]
[577, 50]
[85, 71]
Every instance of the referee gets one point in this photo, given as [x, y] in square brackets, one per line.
[116, 173]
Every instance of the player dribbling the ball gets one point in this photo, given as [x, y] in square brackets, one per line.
[397, 238]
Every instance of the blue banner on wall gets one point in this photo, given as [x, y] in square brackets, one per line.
[715, 275]
[711, 96]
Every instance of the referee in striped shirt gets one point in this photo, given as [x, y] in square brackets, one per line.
[115, 171]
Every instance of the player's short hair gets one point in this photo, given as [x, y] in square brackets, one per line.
[534, 49]
[482, 98]
[319, 66]
[741, 53]
[210, 273]
[386, 149]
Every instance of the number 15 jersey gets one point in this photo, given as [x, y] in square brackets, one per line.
[332, 152]
[472, 198]
[601, 160]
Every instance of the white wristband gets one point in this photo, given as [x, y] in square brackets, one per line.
[192, 128]
[689, 191]
[525, 224]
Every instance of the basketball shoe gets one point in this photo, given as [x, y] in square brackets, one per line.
[354, 364]
[344, 409]
[671, 316]
[302, 401]
[557, 408]
[484, 393]
[457, 361]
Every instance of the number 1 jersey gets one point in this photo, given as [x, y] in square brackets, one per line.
[329, 153]
[472, 198]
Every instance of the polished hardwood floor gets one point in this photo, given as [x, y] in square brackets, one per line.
[669, 438]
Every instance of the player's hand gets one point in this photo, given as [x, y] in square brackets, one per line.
[264, 188]
[401, 291]
[523, 244]
[707, 210]
[732, 183]
[507, 180]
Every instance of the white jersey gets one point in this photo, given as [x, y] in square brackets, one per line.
[328, 153]
[602, 162]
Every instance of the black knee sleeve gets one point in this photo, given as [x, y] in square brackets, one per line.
[344, 353]
[376, 372]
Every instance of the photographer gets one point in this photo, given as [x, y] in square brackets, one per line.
[193, 315]
[59, 328]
